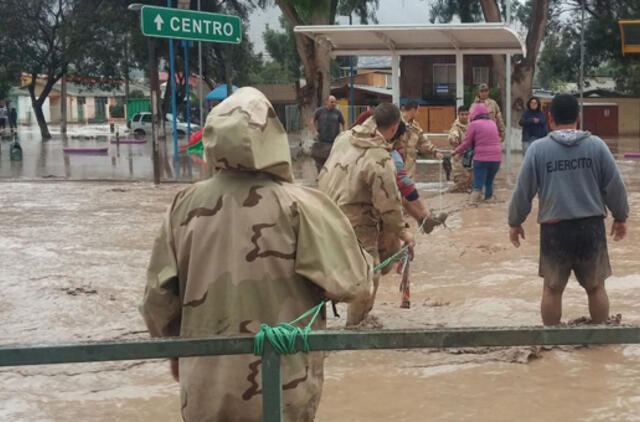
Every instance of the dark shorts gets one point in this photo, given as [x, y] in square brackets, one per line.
[579, 245]
[320, 152]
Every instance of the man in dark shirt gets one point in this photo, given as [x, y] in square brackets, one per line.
[326, 123]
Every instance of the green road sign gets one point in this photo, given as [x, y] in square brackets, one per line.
[167, 22]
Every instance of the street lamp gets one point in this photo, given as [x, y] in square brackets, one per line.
[155, 87]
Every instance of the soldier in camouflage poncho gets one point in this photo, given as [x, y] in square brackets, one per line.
[416, 140]
[360, 177]
[462, 176]
[494, 109]
[243, 248]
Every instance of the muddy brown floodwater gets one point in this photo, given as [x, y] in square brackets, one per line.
[73, 258]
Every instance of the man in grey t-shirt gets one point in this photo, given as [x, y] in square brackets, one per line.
[326, 123]
[576, 180]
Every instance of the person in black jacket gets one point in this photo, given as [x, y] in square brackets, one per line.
[533, 122]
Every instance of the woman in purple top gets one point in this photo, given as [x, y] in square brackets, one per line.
[482, 134]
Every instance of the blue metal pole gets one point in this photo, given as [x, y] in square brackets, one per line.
[173, 105]
[188, 99]
[352, 116]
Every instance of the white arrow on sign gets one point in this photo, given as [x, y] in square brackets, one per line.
[158, 21]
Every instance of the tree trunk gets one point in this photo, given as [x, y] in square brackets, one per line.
[126, 74]
[522, 73]
[36, 103]
[42, 122]
[316, 63]
[491, 13]
[63, 105]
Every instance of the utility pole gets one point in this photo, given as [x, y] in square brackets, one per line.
[155, 88]
[200, 93]
[507, 106]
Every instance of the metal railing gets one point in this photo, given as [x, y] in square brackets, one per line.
[16, 355]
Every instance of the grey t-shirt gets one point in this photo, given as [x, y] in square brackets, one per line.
[574, 175]
[328, 123]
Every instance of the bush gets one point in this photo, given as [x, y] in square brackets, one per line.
[136, 93]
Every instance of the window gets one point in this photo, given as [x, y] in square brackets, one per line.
[136, 117]
[480, 75]
[146, 118]
[444, 79]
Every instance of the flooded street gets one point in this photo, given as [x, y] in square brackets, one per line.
[73, 256]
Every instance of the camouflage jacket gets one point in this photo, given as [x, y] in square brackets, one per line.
[456, 133]
[494, 114]
[361, 178]
[416, 141]
[243, 248]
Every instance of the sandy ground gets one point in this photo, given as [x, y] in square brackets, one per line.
[73, 258]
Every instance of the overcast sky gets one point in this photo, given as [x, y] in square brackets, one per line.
[389, 12]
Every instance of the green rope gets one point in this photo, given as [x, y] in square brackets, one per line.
[400, 252]
[283, 337]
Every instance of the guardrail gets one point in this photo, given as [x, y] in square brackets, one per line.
[16, 355]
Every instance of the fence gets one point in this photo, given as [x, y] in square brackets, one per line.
[318, 340]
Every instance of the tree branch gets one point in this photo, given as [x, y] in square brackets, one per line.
[289, 13]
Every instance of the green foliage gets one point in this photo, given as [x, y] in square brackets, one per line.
[443, 11]
[626, 74]
[270, 73]
[559, 59]
[281, 47]
[58, 37]
[136, 93]
[365, 10]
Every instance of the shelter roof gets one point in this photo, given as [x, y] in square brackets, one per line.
[408, 39]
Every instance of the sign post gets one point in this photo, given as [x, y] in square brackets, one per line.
[189, 25]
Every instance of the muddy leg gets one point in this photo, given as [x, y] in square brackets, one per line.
[551, 305]
[598, 304]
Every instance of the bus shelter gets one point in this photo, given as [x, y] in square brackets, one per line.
[424, 40]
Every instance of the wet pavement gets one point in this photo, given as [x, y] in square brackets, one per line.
[73, 257]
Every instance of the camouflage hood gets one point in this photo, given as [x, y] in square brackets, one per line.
[243, 133]
[366, 135]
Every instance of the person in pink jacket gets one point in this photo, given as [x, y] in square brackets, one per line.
[482, 134]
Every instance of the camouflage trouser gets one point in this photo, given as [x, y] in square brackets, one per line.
[462, 176]
[380, 247]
